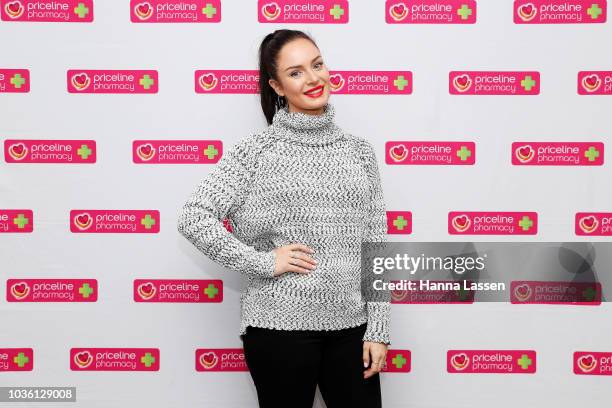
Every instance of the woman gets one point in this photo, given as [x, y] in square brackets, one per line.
[301, 197]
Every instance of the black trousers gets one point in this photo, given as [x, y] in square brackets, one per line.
[287, 365]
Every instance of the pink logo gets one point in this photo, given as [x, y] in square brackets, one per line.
[51, 290]
[175, 11]
[113, 81]
[494, 83]
[303, 11]
[371, 82]
[114, 221]
[595, 82]
[493, 222]
[523, 153]
[50, 151]
[14, 80]
[61, 11]
[114, 359]
[176, 151]
[336, 82]
[555, 293]
[214, 360]
[399, 222]
[430, 153]
[491, 361]
[16, 220]
[431, 12]
[460, 361]
[178, 290]
[221, 81]
[522, 292]
[397, 361]
[270, 11]
[558, 153]
[16, 359]
[592, 363]
[430, 292]
[595, 223]
[557, 12]
[585, 363]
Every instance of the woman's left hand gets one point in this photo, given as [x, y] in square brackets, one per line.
[375, 353]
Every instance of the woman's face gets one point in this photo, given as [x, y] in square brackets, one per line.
[301, 69]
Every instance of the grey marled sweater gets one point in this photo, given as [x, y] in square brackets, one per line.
[301, 180]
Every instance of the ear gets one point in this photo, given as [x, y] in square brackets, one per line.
[276, 86]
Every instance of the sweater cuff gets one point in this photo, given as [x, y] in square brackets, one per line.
[378, 322]
[263, 264]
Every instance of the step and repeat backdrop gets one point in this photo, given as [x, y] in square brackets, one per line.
[490, 121]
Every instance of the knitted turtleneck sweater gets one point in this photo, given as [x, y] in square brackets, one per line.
[301, 180]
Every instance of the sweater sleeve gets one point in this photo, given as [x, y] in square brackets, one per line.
[378, 301]
[220, 193]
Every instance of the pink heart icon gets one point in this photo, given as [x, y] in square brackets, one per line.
[14, 7]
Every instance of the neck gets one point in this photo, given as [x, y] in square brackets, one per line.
[307, 128]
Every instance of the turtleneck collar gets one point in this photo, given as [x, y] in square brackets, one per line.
[305, 128]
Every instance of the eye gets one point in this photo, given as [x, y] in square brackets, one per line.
[319, 63]
[294, 72]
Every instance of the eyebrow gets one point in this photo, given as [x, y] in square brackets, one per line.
[297, 66]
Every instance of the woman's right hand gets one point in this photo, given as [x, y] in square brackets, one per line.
[293, 258]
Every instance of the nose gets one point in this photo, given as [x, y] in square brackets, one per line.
[312, 77]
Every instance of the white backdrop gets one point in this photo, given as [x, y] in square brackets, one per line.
[48, 111]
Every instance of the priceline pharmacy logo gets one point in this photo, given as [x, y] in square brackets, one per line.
[303, 11]
[430, 12]
[58, 11]
[559, 12]
[175, 11]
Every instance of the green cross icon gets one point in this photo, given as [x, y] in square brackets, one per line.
[399, 361]
[524, 362]
[400, 82]
[591, 154]
[464, 11]
[336, 11]
[525, 223]
[210, 152]
[147, 359]
[85, 290]
[464, 153]
[594, 11]
[211, 291]
[84, 151]
[21, 359]
[20, 221]
[400, 222]
[528, 83]
[589, 293]
[81, 10]
[148, 221]
[17, 80]
[209, 10]
[146, 81]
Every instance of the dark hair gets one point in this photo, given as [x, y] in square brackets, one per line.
[268, 54]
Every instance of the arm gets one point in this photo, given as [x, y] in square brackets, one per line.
[217, 195]
[378, 301]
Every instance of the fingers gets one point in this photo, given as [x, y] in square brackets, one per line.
[376, 356]
[298, 258]
[366, 355]
[301, 247]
